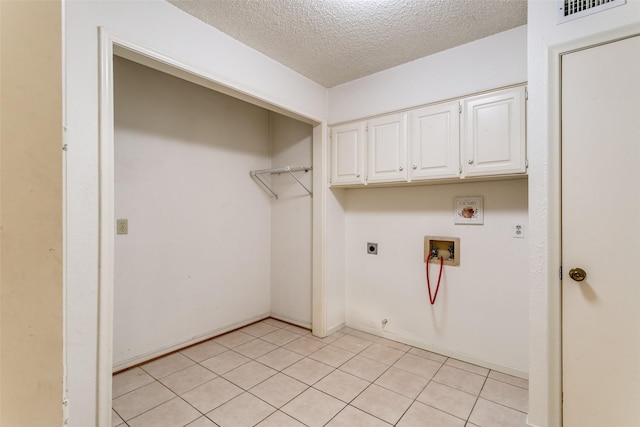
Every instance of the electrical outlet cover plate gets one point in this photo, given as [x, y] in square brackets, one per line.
[372, 248]
[518, 230]
[122, 226]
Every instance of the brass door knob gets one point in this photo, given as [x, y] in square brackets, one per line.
[577, 274]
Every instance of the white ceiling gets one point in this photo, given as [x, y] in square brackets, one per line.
[336, 41]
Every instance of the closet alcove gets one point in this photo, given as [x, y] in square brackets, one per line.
[207, 249]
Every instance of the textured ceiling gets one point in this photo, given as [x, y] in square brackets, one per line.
[336, 41]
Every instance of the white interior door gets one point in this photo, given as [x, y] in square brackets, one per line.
[601, 234]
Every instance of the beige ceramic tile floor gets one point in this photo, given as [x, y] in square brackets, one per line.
[272, 374]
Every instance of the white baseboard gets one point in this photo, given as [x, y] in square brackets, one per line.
[137, 360]
[335, 328]
[287, 319]
[307, 325]
[529, 424]
[445, 352]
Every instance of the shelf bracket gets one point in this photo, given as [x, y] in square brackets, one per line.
[257, 174]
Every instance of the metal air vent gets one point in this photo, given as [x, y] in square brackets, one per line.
[573, 9]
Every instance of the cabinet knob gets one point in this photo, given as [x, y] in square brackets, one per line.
[401, 168]
[357, 175]
[414, 166]
[470, 161]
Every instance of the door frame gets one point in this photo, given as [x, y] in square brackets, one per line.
[110, 44]
[553, 387]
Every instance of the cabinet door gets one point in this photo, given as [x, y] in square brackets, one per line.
[347, 154]
[493, 133]
[387, 148]
[434, 141]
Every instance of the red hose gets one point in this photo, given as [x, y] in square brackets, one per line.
[433, 300]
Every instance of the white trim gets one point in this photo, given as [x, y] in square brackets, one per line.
[152, 58]
[439, 350]
[184, 344]
[65, 225]
[336, 328]
[106, 234]
[292, 321]
[319, 233]
[553, 184]
[108, 44]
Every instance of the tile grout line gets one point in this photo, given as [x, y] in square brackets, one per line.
[175, 394]
[505, 382]
[406, 349]
[373, 382]
[425, 387]
[338, 368]
[476, 402]
[151, 409]
[283, 373]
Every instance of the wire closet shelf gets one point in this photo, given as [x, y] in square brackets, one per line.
[257, 174]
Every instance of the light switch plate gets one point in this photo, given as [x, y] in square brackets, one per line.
[122, 226]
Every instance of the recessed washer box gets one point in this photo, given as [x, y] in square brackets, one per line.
[448, 246]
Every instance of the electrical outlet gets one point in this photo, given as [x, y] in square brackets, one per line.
[518, 230]
[122, 226]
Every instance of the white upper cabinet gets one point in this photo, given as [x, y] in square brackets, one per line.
[478, 136]
[434, 140]
[493, 133]
[347, 154]
[387, 148]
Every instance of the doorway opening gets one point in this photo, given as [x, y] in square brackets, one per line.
[138, 55]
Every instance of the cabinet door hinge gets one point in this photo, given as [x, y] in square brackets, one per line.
[459, 107]
[526, 163]
[526, 93]
[560, 272]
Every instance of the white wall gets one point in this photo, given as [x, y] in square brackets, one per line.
[291, 222]
[546, 40]
[167, 30]
[485, 64]
[336, 264]
[480, 314]
[197, 256]
[495, 61]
